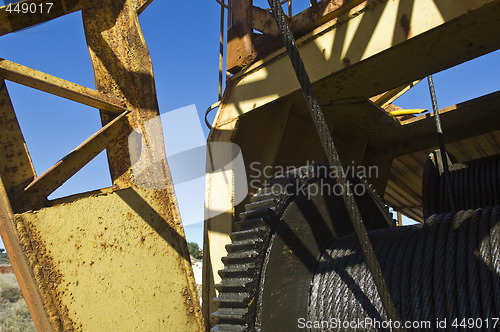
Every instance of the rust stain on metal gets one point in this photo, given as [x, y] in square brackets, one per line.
[110, 29]
[16, 168]
[404, 22]
[59, 87]
[46, 274]
[188, 302]
[89, 262]
[34, 195]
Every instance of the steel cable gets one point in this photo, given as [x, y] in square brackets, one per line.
[397, 271]
[493, 178]
[428, 278]
[405, 310]
[457, 280]
[484, 270]
[496, 177]
[440, 135]
[474, 185]
[473, 267]
[349, 296]
[332, 155]
[495, 253]
[439, 262]
[461, 273]
[417, 273]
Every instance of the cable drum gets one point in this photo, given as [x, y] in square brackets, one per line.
[447, 268]
[475, 184]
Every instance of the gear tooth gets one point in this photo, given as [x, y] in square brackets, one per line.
[235, 285]
[230, 327]
[241, 257]
[233, 300]
[242, 264]
[231, 315]
[252, 223]
[243, 245]
[241, 274]
[261, 204]
[248, 233]
[262, 197]
[255, 213]
[238, 271]
[273, 189]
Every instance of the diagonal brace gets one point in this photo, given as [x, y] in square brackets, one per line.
[41, 81]
[14, 21]
[35, 194]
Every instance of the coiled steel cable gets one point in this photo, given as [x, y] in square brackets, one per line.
[475, 184]
[495, 254]
[457, 278]
[332, 155]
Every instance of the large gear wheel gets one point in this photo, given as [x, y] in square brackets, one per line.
[278, 243]
[294, 260]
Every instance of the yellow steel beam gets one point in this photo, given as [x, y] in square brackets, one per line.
[307, 20]
[35, 194]
[46, 10]
[401, 112]
[116, 260]
[349, 57]
[13, 21]
[36, 79]
[113, 262]
[111, 28]
[388, 97]
[478, 116]
[21, 264]
[216, 229]
[16, 168]
[375, 47]
[108, 30]
[321, 13]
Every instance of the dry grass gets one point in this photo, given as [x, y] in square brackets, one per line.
[4, 260]
[14, 314]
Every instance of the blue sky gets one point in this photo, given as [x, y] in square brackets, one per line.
[183, 41]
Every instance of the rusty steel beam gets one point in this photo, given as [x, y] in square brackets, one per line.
[263, 21]
[319, 14]
[306, 20]
[84, 254]
[36, 79]
[244, 47]
[16, 168]
[21, 264]
[240, 47]
[117, 74]
[351, 69]
[142, 5]
[14, 21]
[35, 194]
[375, 47]
[111, 28]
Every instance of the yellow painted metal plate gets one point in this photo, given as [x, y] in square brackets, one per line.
[112, 263]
